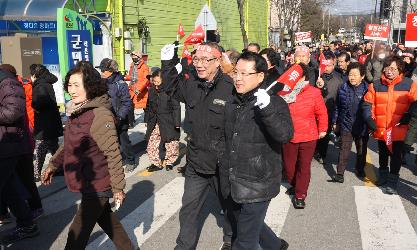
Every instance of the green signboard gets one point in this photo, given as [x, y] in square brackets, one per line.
[75, 39]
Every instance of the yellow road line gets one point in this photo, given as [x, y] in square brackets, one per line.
[371, 177]
[144, 173]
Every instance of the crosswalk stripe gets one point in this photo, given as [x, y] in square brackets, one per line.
[149, 216]
[277, 211]
[383, 221]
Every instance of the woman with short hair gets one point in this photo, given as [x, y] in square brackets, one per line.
[91, 158]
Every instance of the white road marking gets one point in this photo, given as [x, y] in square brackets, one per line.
[277, 211]
[149, 216]
[383, 221]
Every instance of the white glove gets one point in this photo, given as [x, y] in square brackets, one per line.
[263, 99]
[167, 52]
[179, 68]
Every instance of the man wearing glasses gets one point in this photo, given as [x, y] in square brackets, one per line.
[250, 170]
[205, 93]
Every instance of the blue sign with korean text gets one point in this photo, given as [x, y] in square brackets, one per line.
[79, 46]
[26, 25]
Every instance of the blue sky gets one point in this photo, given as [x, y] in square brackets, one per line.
[354, 6]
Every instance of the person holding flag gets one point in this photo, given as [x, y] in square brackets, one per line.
[205, 93]
[329, 82]
[385, 110]
[310, 122]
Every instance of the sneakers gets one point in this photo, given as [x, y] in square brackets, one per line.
[129, 168]
[153, 168]
[21, 233]
[284, 245]
[5, 219]
[37, 213]
[169, 167]
[298, 203]
[339, 178]
[226, 246]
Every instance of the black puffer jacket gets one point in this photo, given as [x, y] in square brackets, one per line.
[251, 167]
[14, 134]
[48, 123]
[205, 109]
[164, 110]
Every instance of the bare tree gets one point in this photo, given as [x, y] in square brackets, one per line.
[242, 22]
[288, 12]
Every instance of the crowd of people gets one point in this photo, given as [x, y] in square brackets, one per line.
[247, 129]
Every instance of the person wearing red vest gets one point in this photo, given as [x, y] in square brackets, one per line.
[385, 109]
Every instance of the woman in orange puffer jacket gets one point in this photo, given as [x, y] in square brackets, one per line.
[385, 110]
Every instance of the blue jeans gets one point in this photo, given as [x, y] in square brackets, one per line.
[249, 230]
[13, 192]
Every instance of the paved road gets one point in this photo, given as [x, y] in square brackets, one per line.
[353, 215]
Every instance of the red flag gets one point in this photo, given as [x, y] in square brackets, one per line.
[321, 65]
[180, 31]
[186, 54]
[197, 36]
[290, 78]
[388, 138]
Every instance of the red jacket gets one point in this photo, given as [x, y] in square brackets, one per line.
[309, 115]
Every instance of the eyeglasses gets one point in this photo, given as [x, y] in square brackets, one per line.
[236, 73]
[204, 61]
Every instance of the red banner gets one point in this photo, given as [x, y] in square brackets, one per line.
[411, 30]
[180, 31]
[376, 32]
[303, 37]
[196, 37]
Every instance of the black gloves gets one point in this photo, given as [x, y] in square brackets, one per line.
[371, 124]
[405, 119]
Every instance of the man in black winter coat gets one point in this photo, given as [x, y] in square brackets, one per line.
[205, 94]
[121, 105]
[14, 147]
[257, 125]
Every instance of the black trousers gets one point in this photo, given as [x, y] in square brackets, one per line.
[90, 212]
[13, 192]
[126, 146]
[361, 151]
[322, 146]
[248, 226]
[131, 114]
[196, 189]
[395, 156]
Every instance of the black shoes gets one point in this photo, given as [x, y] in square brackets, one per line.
[338, 178]
[319, 159]
[298, 203]
[290, 191]
[168, 167]
[153, 168]
[21, 233]
[226, 246]
[284, 245]
[181, 170]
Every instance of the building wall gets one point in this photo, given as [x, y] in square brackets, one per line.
[163, 16]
